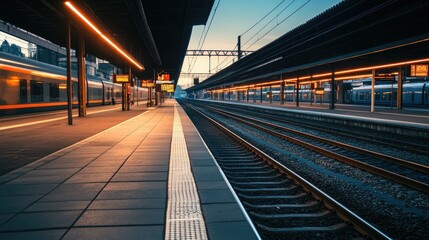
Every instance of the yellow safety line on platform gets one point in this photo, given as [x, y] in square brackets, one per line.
[184, 217]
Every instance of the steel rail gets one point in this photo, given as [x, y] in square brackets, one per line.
[412, 165]
[423, 187]
[383, 141]
[347, 215]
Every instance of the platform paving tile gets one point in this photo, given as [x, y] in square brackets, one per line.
[143, 168]
[122, 217]
[206, 173]
[74, 192]
[116, 233]
[147, 161]
[16, 204]
[204, 185]
[41, 220]
[97, 170]
[136, 186]
[202, 162]
[128, 204]
[198, 155]
[111, 163]
[132, 194]
[4, 217]
[57, 206]
[47, 172]
[63, 165]
[39, 179]
[78, 156]
[134, 177]
[138, 157]
[90, 178]
[53, 234]
[222, 212]
[24, 189]
[240, 230]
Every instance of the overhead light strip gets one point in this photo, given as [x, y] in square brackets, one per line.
[90, 24]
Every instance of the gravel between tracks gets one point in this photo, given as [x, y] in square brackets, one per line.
[398, 211]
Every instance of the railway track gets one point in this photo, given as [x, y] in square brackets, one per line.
[374, 139]
[281, 204]
[408, 173]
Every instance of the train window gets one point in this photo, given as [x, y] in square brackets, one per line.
[23, 98]
[36, 88]
[361, 96]
[377, 96]
[367, 96]
[54, 92]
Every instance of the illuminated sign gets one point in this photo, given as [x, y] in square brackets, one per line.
[167, 87]
[164, 82]
[319, 91]
[164, 77]
[148, 83]
[121, 78]
[419, 71]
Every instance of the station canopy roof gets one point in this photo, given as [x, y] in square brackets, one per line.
[354, 34]
[155, 32]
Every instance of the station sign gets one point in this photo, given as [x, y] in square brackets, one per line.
[420, 70]
[148, 83]
[164, 82]
[167, 87]
[121, 78]
[164, 77]
[319, 91]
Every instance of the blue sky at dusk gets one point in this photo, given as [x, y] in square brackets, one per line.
[234, 17]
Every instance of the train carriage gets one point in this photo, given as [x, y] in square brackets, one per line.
[30, 86]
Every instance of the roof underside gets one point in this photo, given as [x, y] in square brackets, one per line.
[133, 23]
[352, 34]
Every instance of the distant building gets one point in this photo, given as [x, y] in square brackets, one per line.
[47, 56]
[12, 49]
[107, 70]
[5, 47]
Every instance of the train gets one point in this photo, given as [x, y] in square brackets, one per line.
[28, 86]
[415, 94]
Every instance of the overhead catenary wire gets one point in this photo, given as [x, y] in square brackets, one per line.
[256, 34]
[199, 47]
[226, 60]
[266, 15]
[290, 15]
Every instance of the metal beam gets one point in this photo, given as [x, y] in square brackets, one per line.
[222, 53]
[201, 75]
[137, 13]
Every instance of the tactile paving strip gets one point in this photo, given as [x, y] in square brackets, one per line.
[184, 216]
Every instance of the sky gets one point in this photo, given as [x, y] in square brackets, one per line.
[234, 17]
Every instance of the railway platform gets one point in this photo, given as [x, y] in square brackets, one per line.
[149, 177]
[409, 121]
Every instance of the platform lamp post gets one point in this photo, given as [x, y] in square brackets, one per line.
[69, 82]
[372, 90]
[82, 88]
[297, 91]
[332, 104]
[400, 89]
[90, 21]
